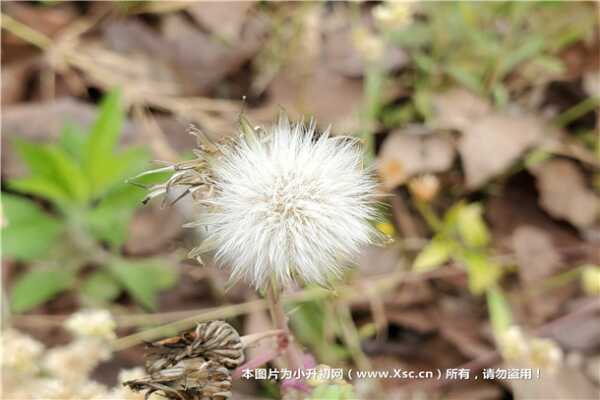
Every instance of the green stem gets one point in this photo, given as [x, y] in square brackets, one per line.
[577, 111]
[429, 215]
[292, 353]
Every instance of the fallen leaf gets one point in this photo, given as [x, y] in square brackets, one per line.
[538, 259]
[340, 50]
[310, 83]
[225, 19]
[410, 294]
[419, 320]
[153, 229]
[457, 108]
[377, 260]
[474, 391]
[490, 144]
[14, 80]
[566, 383]
[193, 60]
[464, 334]
[564, 194]
[404, 155]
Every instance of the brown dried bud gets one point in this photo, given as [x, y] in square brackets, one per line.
[215, 340]
[424, 188]
[190, 379]
[194, 365]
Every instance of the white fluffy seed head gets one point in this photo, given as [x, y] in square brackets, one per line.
[290, 205]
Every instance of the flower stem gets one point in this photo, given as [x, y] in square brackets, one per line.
[292, 353]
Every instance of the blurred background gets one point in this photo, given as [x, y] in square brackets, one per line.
[481, 120]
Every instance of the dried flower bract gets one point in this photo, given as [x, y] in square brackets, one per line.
[194, 365]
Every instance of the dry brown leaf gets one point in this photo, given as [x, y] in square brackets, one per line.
[490, 144]
[153, 229]
[538, 259]
[14, 80]
[464, 334]
[377, 260]
[419, 320]
[567, 383]
[474, 391]
[310, 83]
[457, 109]
[403, 155]
[410, 294]
[193, 59]
[564, 194]
[340, 50]
[225, 19]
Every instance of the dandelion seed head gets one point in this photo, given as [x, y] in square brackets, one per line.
[290, 204]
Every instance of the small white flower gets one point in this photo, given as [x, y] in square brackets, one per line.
[92, 323]
[513, 344]
[546, 354]
[289, 204]
[393, 14]
[73, 362]
[20, 352]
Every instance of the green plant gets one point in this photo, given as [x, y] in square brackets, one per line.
[84, 221]
[462, 236]
[479, 45]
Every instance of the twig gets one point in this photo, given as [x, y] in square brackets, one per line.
[349, 293]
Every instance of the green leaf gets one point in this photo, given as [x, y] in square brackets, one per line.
[109, 220]
[100, 287]
[143, 279]
[124, 165]
[532, 46]
[483, 273]
[536, 157]
[499, 310]
[72, 141]
[40, 186]
[471, 226]
[102, 141]
[29, 233]
[108, 224]
[501, 95]
[436, 253]
[465, 77]
[51, 167]
[37, 286]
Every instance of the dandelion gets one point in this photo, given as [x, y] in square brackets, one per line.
[92, 323]
[279, 206]
[291, 205]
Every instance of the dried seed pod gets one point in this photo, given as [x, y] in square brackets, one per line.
[215, 340]
[194, 365]
[189, 379]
